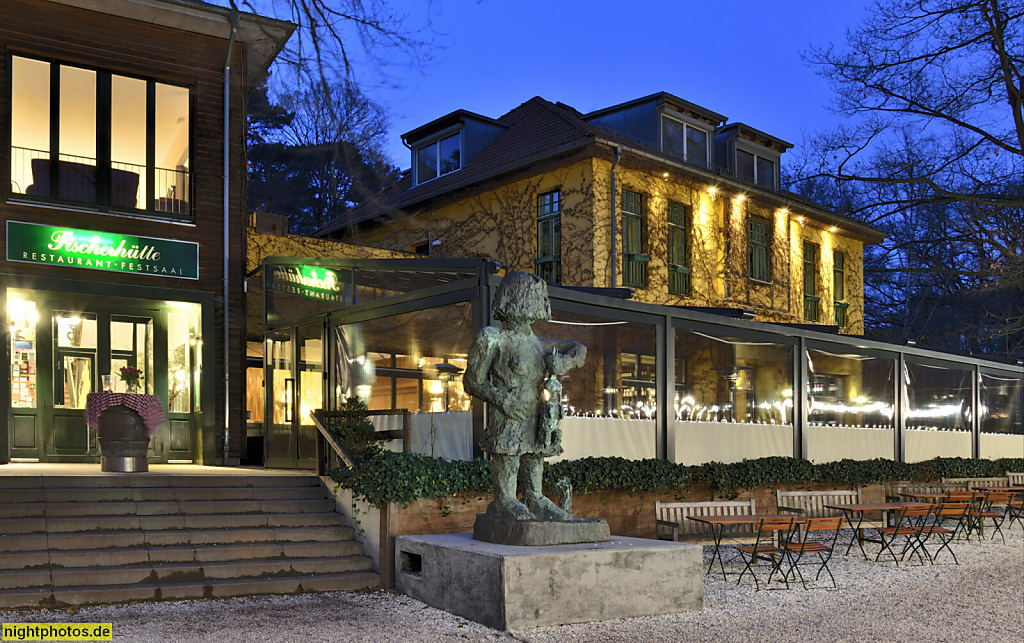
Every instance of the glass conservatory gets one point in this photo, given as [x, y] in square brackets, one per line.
[684, 384]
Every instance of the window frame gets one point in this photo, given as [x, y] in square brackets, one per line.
[103, 202]
[839, 303]
[760, 154]
[634, 260]
[435, 142]
[687, 125]
[679, 219]
[549, 214]
[811, 260]
[753, 248]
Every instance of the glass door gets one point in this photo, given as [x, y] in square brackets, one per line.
[131, 344]
[295, 380]
[310, 380]
[280, 400]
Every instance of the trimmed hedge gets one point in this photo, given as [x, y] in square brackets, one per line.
[406, 477]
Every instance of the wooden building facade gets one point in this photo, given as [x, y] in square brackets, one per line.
[115, 220]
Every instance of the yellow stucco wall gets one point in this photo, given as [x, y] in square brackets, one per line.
[500, 224]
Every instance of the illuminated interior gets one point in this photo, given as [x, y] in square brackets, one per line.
[81, 174]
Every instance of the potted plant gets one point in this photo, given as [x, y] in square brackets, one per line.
[131, 376]
[124, 423]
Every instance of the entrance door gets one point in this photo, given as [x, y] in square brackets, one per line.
[295, 378]
[63, 346]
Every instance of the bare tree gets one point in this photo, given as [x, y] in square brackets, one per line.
[943, 70]
[932, 152]
[323, 156]
[334, 38]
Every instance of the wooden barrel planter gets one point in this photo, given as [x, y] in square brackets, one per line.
[124, 441]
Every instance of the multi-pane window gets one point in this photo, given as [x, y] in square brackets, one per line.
[549, 237]
[678, 271]
[94, 137]
[634, 261]
[755, 169]
[758, 247]
[839, 288]
[684, 142]
[811, 299]
[438, 158]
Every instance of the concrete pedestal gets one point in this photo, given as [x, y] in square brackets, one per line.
[510, 588]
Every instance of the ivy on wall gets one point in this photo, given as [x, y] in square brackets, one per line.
[406, 477]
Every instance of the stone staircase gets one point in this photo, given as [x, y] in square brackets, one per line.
[76, 540]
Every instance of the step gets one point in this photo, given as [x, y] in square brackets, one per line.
[180, 572]
[88, 524]
[146, 494]
[157, 481]
[91, 595]
[156, 508]
[75, 558]
[156, 538]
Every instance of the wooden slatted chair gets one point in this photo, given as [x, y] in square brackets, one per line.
[995, 505]
[808, 542]
[951, 510]
[910, 521]
[671, 521]
[963, 521]
[773, 535]
[1015, 510]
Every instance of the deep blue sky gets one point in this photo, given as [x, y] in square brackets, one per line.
[740, 58]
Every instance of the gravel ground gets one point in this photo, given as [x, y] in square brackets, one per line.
[982, 599]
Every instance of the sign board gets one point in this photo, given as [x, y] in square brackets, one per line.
[107, 251]
[311, 282]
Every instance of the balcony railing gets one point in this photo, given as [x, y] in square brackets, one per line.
[80, 179]
[679, 280]
[839, 313]
[634, 270]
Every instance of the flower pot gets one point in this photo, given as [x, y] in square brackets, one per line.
[124, 441]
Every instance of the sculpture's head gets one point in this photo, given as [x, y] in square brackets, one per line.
[522, 298]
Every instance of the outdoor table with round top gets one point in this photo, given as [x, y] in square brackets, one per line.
[719, 523]
[862, 508]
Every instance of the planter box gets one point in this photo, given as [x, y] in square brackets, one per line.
[630, 515]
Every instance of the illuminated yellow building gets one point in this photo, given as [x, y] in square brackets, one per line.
[657, 195]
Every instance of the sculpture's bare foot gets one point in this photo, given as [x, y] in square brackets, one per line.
[510, 509]
[545, 509]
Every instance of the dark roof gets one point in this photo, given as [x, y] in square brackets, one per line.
[663, 97]
[754, 134]
[535, 129]
[534, 132]
[458, 116]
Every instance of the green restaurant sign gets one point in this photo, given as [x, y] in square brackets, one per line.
[311, 282]
[57, 245]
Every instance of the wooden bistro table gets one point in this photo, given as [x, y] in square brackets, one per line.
[719, 523]
[862, 508]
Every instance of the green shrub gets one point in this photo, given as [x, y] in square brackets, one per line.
[354, 432]
[405, 477]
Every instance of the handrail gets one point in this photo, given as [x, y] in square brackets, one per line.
[326, 457]
[329, 453]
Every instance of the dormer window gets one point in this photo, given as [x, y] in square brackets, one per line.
[684, 141]
[755, 169]
[438, 158]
